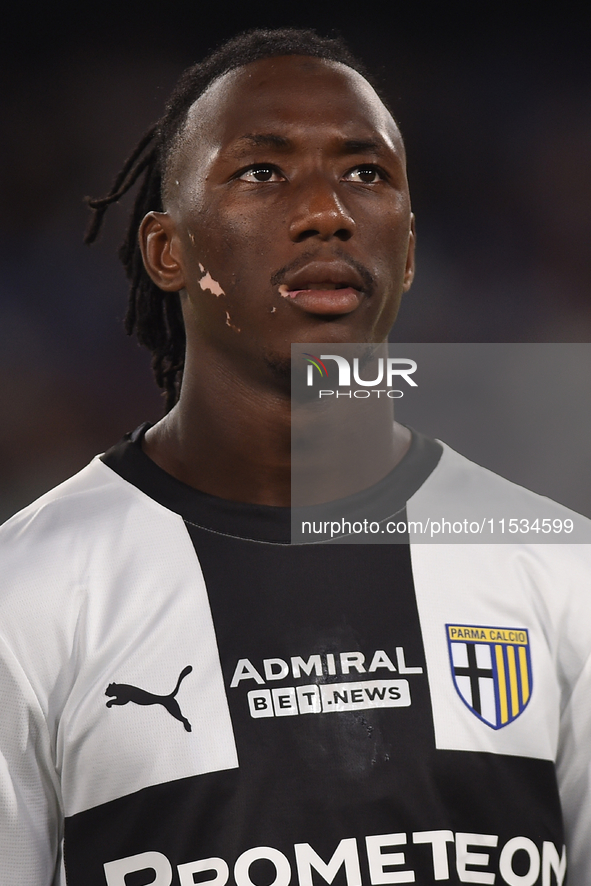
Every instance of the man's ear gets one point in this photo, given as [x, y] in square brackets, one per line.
[409, 272]
[161, 251]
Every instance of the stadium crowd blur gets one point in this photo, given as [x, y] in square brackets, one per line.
[496, 115]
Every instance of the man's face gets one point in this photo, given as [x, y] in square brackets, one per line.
[290, 210]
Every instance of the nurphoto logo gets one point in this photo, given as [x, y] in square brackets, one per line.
[387, 370]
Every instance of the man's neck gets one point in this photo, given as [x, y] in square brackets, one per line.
[234, 440]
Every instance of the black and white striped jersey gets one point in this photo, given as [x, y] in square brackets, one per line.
[188, 698]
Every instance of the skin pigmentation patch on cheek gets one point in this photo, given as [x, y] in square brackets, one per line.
[208, 284]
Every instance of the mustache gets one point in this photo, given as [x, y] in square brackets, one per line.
[368, 279]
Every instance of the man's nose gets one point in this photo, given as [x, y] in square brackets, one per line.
[319, 212]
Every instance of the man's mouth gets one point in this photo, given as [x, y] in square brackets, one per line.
[324, 288]
[323, 298]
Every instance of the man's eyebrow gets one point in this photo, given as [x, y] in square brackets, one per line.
[262, 140]
[281, 143]
[362, 146]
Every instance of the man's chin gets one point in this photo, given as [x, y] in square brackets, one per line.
[280, 366]
[296, 388]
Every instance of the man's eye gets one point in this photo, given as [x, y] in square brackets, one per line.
[367, 175]
[261, 173]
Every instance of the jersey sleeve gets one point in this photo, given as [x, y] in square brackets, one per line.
[30, 816]
[574, 776]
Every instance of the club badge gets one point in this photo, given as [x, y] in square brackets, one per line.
[491, 669]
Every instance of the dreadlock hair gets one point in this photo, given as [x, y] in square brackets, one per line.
[154, 315]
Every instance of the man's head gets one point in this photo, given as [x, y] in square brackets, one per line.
[281, 173]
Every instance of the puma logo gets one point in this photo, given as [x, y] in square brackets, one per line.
[124, 693]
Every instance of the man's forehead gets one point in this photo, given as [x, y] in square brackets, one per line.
[288, 90]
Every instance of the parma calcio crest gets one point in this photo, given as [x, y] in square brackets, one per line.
[491, 669]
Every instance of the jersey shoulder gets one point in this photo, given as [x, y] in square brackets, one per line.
[73, 537]
[81, 509]
[534, 556]
[460, 490]
[70, 562]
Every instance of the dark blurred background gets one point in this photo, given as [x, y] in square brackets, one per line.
[495, 107]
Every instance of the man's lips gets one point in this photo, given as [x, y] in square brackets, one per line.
[338, 300]
[324, 287]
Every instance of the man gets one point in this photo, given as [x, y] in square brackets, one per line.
[186, 696]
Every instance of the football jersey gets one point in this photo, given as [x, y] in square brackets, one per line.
[187, 697]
